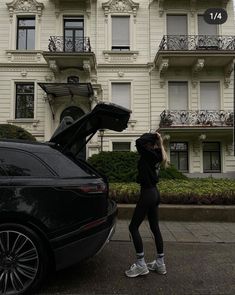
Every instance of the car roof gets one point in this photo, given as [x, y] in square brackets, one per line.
[30, 146]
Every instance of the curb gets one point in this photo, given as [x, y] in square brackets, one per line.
[211, 213]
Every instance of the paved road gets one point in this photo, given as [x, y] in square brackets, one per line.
[200, 259]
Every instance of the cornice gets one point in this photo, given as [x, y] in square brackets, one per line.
[25, 6]
[120, 6]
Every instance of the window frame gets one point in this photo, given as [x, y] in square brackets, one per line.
[125, 48]
[29, 154]
[26, 28]
[121, 82]
[219, 158]
[15, 104]
[118, 142]
[178, 154]
[188, 94]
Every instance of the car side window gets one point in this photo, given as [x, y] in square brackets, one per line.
[19, 163]
[2, 172]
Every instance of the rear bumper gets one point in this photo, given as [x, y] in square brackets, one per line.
[82, 248]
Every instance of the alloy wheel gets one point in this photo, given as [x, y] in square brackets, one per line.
[19, 262]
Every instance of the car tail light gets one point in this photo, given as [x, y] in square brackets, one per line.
[93, 188]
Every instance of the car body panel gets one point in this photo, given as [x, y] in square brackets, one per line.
[103, 116]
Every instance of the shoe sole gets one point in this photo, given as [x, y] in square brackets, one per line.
[159, 272]
[140, 274]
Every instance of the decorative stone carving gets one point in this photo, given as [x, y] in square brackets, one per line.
[193, 7]
[53, 66]
[120, 6]
[227, 74]
[87, 66]
[25, 6]
[160, 7]
[199, 65]
[162, 70]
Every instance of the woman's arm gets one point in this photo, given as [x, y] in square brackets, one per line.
[142, 145]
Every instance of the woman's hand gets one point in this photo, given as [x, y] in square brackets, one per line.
[159, 137]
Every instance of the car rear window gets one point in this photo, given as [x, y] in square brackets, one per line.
[20, 163]
[63, 165]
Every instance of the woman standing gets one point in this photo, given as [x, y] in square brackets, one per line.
[152, 153]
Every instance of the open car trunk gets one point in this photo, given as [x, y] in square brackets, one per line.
[71, 134]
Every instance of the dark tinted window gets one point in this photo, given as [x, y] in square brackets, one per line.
[2, 173]
[19, 163]
[63, 165]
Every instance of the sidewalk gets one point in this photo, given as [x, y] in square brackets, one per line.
[186, 232]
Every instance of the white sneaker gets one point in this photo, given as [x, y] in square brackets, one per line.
[137, 270]
[159, 268]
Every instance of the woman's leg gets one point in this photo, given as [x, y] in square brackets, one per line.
[137, 218]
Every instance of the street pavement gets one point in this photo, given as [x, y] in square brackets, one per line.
[200, 260]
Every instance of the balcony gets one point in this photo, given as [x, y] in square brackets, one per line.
[195, 51]
[198, 119]
[69, 52]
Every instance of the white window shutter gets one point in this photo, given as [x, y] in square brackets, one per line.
[121, 94]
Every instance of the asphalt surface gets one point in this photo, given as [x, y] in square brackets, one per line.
[200, 260]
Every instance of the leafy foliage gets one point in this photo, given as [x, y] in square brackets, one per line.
[206, 191]
[8, 131]
[122, 166]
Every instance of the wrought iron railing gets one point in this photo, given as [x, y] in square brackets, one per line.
[205, 118]
[69, 44]
[197, 42]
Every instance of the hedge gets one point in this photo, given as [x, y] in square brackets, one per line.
[8, 131]
[122, 166]
[208, 191]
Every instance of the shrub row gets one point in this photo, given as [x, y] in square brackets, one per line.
[8, 131]
[122, 166]
[207, 191]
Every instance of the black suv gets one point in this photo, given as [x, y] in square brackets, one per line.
[54, 207]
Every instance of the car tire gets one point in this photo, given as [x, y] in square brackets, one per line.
[23, 259]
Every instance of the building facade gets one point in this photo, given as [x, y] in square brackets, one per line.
[157, 57]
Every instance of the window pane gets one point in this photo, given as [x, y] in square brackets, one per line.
[215, 161]
[121, 94]
[174, 159]
[121, 146]
[31, 39]
[206, 161]
[178, 95]
[24, 100]
[211, 146]
[205, 28]
[73, 23]
[177, 25]
[22, 39]
[120, 31]
[27, 22]
[179, 146]
[210, 95]
[22, 164]
[183, 161]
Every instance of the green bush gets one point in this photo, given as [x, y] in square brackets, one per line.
[122, 166]
[208, 191]
[8, 131]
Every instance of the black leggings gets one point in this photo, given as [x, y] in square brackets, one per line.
[146, 205]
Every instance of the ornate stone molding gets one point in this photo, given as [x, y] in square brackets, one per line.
[25, 6]
[198, 66]
[120, 6]
[87, 66]
[163, 66]
[53, 66]
[120, 57]
[160, 7]
[193, 4]
[227, 74]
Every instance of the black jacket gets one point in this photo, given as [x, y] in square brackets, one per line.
[147, 175]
